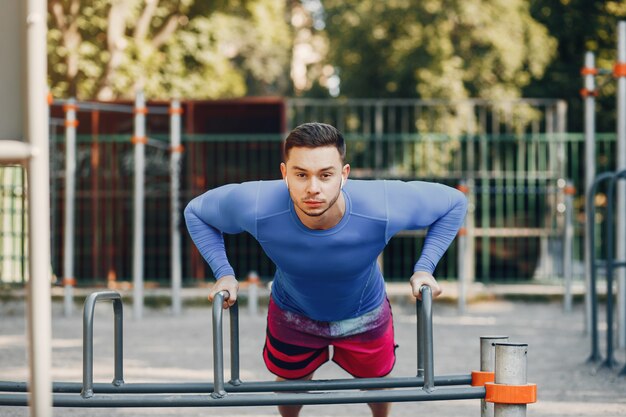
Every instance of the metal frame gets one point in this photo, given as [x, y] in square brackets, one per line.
[238, 393]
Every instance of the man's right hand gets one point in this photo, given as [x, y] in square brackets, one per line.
[226, 283]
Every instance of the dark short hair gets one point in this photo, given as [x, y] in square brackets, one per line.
[315, 135]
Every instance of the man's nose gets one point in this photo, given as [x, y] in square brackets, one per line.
[314, 186]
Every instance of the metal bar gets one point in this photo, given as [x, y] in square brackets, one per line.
[609, 361]
[488, 364]
[591, 231]
[250, 386]
[88, 314]
[620, 164]
[235, 400]
[138, 207]
[427, 319]
[70, 210]
[218, 345]
[176, 255]
[568, 238]
[35, 88]
[234, 344]
[13, 151]
[420, 338]
[510, 369]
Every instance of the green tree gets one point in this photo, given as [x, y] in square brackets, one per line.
[579, 26]
[436, 48]
[105, 49]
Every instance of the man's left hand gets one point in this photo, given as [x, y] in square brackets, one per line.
[420, 278]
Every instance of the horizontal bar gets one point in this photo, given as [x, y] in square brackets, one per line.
[235, 400]
[509, 232]
[253, 386]
[14, 151]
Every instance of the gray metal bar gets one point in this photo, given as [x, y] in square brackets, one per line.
[250, 386]
[429, 371]
[568, 247]
[609, 361]
[176, 255]
[234, 345]
[218, 345]
[138, 205]
[591, 224]
[69, 209]
[420, 338]
[620, 164]
[235, 400]
[511, 368]
[88, 315]
[590, 173]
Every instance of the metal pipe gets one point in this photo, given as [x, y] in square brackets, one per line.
[568, 238]
[234, 345]
[235, 400]
[488, 364]
[590, 173]
[70, 211]
[218, 346]
[88, 315]
[429, 371]
[420, 338]
[250, 386]
[511, 368]
[591, 224]
[621, 186]
[176, 255]
[33, 18]
[610, 361]
[138, 207]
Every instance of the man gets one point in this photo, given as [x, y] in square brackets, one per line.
[324, 234]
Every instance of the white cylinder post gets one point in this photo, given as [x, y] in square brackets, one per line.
[176, 150]
[33, 22]
[511, 369]
[139, 140]
[620, 236]
[590, 169]
[487, 364]
[462, 266]
[69, 214]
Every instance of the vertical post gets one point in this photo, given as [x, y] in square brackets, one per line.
[620, 73]
[427, 338]
[568, 239]
[218, 347]
[234, 345]
[511, 367]
[139, 140]
[33, 25]
[487, 364]
[420, 337]
[461, 242]
[589, 72]
[70, 191]
[176, 150]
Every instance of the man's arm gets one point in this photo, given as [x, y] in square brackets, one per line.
[418, 205]
[221, 210]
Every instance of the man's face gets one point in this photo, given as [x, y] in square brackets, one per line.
[314, 178]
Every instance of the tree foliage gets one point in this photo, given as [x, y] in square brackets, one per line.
[579, 26]
[105, 49]
[436, 48]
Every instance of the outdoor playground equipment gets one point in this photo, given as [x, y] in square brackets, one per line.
[614, 238]
[502, 379]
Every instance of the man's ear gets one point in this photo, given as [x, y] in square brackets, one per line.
[283, 171]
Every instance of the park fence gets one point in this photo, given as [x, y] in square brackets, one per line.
[512, 158]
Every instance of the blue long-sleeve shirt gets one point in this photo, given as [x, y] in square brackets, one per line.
[332, 274]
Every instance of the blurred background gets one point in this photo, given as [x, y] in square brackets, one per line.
[478, 94]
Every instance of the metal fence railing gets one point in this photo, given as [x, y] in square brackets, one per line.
[515, 208]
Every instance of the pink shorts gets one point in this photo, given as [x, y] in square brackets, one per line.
[296, 346]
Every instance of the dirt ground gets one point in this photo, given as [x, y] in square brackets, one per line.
[177, 349]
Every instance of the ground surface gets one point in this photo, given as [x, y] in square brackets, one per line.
[174, 349]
